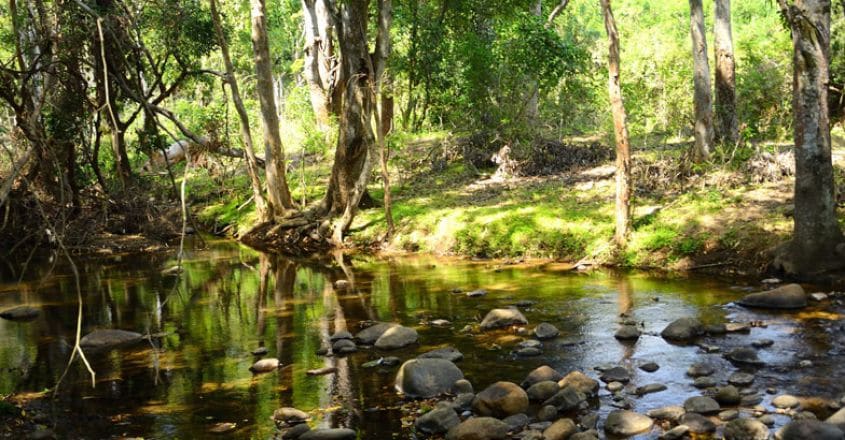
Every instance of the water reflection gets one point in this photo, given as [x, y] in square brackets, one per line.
[205, 323]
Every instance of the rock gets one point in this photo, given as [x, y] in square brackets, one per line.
[344, 346]
[370, 335]
[650, 388]
[476, 293]
[541, 374]
[397, 337]
[547, 413]
[627, 333]
[743, 356]
[589, 421]
[676, 433]
[790, 296]
[516, 421]
[437, 421]
[670, 413]
[590, 434]
[529, 352]
[767, 419]
[560, 430]
[615, 386]
[462, 386]
[265, 365]
[566, 399]
[750, 400]
[838, 419]
[260, 351]
[683, 330]
[440, 323]
[425, 378]
[649, 367]
[806, 363]
[746, 429]
[542, 391]
[501, 399]
[47, 433]
[341, 284]
[704, 382]
[697, 423]
[616, 374]
[700, 369]
[499, 318]
[728, 395]
[728, 415]
[390, 361]
[627, 423]
[581, 382]
[809, 429]
[762, 343]
[329, 434]
[295, 431]
[818, 296]
[771, 281]
[544, 331]
[343, 334]
[530, 343]
[109, 338]
[701, 405]
[479, 428]
[20, 313]
[290, 416]
[321, 371]
[785, 401]
[741, 379]
[715, 329]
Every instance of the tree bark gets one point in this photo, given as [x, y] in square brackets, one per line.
[701, 79]
[279, 199]
[384, 115]
[727, 127]
[355, 150]
[246, 134]
[319, 60]
[532, 107]
[623, 153]
[816, 236]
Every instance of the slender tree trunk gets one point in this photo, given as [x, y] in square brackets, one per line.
[532, 107]
[623, 153]
[279, 200]
[817, 237]
[355, 150]
[727, 127]
[701, 79]
[318, 53]
[246, 134]
[384, 116]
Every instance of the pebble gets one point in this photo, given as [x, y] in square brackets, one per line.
[649, 367]
[615, 386]
[785, 401]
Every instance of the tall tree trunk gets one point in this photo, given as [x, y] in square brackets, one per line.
[384, 115]
[817, 237]
[620, 126]
[532, 106]
[701, 79]
[727, 127]
[318, 59]
[355, 150]
[246, 134]
[274, 156]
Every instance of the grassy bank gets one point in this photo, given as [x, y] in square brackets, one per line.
[728, 214]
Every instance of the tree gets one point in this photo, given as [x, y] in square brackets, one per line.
[320, 61]
[623, 153]
[279, 199]
[381, 88]
[817, 242]
[727, 127]
[701, 80]
[246, 134]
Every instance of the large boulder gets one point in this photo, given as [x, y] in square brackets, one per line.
[809, 430]
[109, 338]
[499, 318]
[682, 330]
[541, 374]
[746, 429]
[479, 428]
[370, 335]
[790, 296]
[581, 382]
[437, 421]
[500, 400]
[425, 378]
[396, 337]
[627, 423]
[20, 313]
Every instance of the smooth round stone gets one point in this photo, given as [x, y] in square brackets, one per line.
[700, 369]
[616, 374]
[344, 346]
[704, 382]
[744, 356]
[627, 423]
[767, 419]
[627, 333]
[763, 343]
[544, 331]
[697, 423]
[541, 374]
[581, 382]
[542, 391]
[785, 401]
[501, 399]
[670, 413]
[437, 421]
[615, 386]
[741, 379]
[529, 352]
[560, 430]
[462, 386]
[728, 415]
[728, 395]
[810, 430]
[746, 429]
[486, 428]
[547, 413]
[649, 367]
[701, 405]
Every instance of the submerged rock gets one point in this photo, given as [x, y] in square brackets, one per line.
[683, 330]
[544, 331]
[650, 388]
[790, 296]
[397, 337]
[425, 378]
[649, 367]
[344, 346]
[448, 353]
[109, 338]
[20, 313]
[479, 428]
[744, 356]
[501, 399]
[627, 423]
[499, 318]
